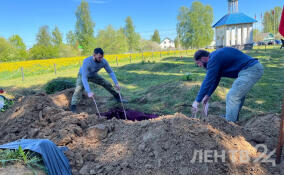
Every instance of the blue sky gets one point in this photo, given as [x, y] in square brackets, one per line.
[24, 17]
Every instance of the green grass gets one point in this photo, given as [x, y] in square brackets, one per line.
[30, 159]
[7, 104]
[160, 85]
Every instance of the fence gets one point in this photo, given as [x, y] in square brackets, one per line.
[35, 67]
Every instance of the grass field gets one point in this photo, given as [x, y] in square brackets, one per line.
[159, 85]
[40, 71]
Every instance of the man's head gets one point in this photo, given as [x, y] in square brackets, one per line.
[201, 58]
[98, 54]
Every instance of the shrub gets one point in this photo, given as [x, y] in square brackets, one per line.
[188, 76]
[59, 84]
[19, 156]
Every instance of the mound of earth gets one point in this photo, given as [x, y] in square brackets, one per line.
[19, 170]
[264, 130]
[164, 145]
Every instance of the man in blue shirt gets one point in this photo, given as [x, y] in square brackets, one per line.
[89, 72]
[232, 63]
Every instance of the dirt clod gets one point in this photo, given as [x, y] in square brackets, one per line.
[99, 132]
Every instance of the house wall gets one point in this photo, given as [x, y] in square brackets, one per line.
[166, 43]
[234, 35]
[245, 34]
[239, 35]
[228, 36]
[250, 34]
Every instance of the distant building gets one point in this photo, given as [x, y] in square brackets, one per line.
[234, 29]
[167, 44]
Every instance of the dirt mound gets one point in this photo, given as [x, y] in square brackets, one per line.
[62, 100]
[164, 145]
[19, 170]
[264, 130]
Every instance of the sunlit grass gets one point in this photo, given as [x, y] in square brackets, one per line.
[156, 73]
[158, 85]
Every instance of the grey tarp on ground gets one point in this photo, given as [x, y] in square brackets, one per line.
[53, 156]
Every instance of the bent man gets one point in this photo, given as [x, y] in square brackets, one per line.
[232, 63]
[89, 72]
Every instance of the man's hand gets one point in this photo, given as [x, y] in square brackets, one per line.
[117, 87]
[205, 99]
[90, 94]
[195, 104]
[194, 107]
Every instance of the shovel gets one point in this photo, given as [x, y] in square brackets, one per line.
[205, 109]
[96, 107]
[122, 104]
[194, 112]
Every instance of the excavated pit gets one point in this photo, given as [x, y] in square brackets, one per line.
[130, 114]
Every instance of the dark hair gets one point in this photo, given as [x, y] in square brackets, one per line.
[99, 51]
[201, 53]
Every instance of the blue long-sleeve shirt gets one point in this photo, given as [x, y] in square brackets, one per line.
[224, 62]
[90, 67]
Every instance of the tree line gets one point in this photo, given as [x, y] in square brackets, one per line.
[193, 31]
[270, 22]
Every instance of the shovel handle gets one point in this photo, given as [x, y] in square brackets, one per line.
[122, 104]
[205, 109]
[96, 106]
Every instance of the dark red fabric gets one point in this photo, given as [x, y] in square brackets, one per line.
[131, 114]
[281, 26]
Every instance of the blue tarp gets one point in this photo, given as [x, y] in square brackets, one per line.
[234, 18]
[53, 156]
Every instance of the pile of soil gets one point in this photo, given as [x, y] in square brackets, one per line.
[19, 170]
[164, 145]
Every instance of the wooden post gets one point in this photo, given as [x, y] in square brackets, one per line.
[281, 136]
[54, 68]
[22, 70]
[160, 54]
[116, 61]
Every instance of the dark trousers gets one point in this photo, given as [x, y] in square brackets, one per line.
[97, 79]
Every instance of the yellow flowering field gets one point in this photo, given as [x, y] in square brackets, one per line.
[48, 64]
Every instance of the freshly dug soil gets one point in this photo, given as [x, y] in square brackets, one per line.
[163, 145]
